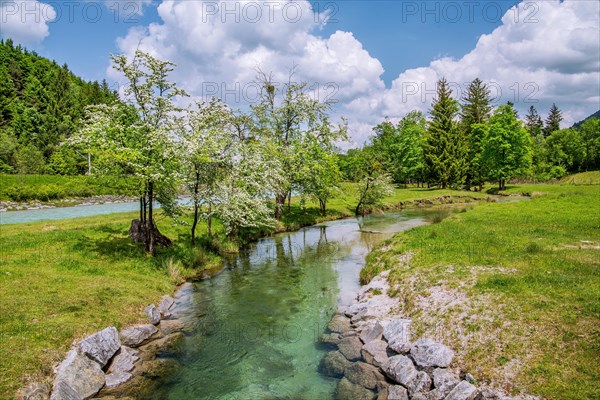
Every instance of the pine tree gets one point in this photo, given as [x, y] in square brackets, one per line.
[444, 147]
[533, 122]
[553, 120]
[476, 106]
[475, 109]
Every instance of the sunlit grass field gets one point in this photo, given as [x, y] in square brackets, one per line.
[513, 287]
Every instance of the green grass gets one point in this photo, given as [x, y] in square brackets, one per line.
[513, 287]
[62, 280]
[55, 187]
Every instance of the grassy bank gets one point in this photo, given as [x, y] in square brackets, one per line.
[61, 280]
[513, 287]
[55, 187]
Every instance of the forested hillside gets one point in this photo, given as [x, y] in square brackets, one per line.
[41, 104]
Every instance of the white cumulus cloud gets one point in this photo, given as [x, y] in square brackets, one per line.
[552, 55]
[25, 21]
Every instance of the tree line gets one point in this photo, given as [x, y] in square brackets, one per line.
[466, 143]
[231, 163]
[41, 105]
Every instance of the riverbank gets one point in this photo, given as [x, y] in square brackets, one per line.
[52, 189]
[60, 280]
[7, 205]
[512, 287]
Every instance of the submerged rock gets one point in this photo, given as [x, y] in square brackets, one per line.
[428, 353]
[77, 377]
[101, 346]
[334, 364]
[117, 378]
[351, 347]
[171, 326]
[339, 324]
[167, 345]
[347, 390]
[330, 338]
[158, 368]
[364, 374]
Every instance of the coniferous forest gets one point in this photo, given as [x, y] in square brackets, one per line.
[41, 105]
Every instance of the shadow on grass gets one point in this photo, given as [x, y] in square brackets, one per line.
[114, 246]
[296, 217]
[496, 190]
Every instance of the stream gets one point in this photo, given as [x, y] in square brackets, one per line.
[257, 324]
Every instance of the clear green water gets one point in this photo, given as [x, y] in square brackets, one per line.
[258, 324]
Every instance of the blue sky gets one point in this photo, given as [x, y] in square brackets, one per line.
[383, 57]
[400, 34]
[405, 35]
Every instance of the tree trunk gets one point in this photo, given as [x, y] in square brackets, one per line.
[196, 209]
[150, 222]
[357, 209]
[142, 208]
[323, 206]
[289, 197]
[144, 202]
[209, 221]
[279, 202]
[139, 234]
[194, 223]
[233, 235]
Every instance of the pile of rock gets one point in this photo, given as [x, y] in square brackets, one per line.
[103, 363]
[375, 358]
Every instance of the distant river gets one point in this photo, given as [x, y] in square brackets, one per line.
[24, 216]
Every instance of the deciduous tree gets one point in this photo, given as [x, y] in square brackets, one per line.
[506, 146]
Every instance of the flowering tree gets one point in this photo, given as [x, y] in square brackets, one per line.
[285, 117]
[245, 193]
[136, 138]
[206, 144]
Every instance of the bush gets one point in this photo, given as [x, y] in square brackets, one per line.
[557, 172]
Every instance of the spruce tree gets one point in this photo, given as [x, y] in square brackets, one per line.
[444, 148]
[533, 122]
[475, 109]
[553, 120]
[476, 106]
